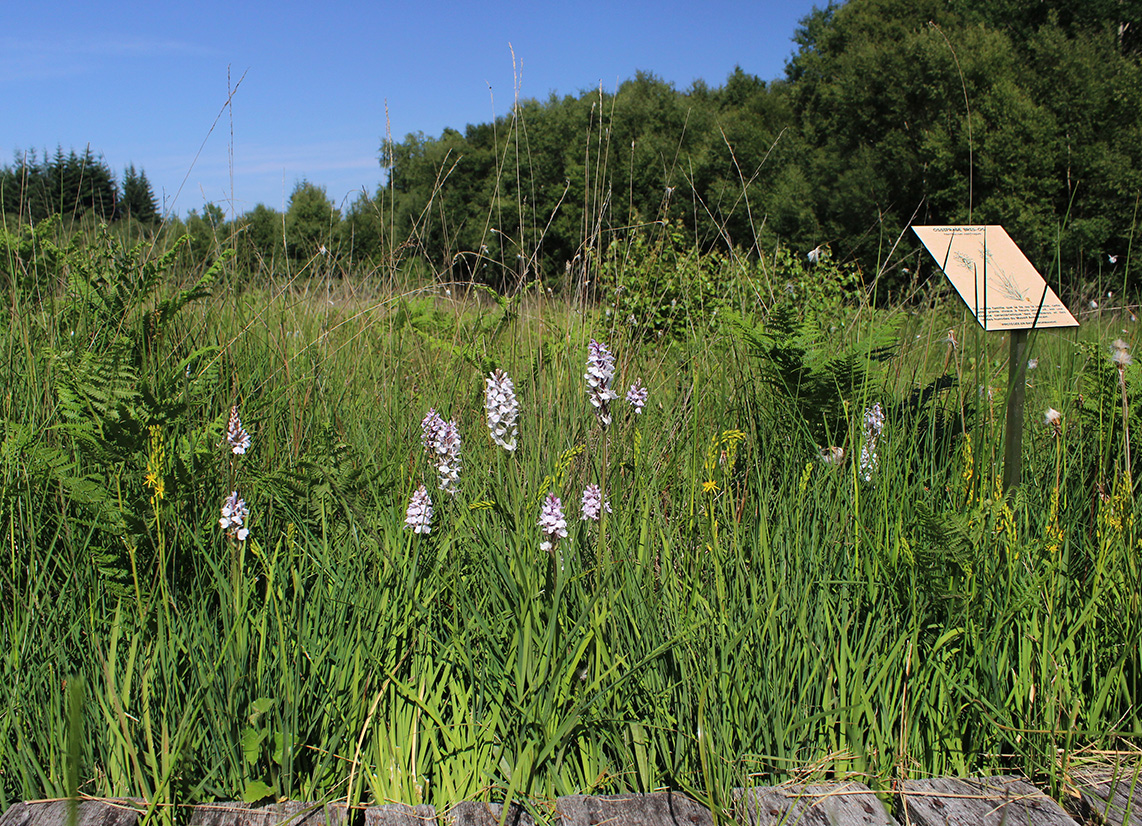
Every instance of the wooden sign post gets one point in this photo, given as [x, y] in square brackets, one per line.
[1005, 292]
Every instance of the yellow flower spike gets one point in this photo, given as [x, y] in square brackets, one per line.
[1005, 527]
[969, 462]
[566, 459]
[709, 486]
[1054, 534]
[156, 462]
[1055, 538]
[482, 505]
[712, 454]
[544, 487]
[803, 485]
[1115, 515]
[730, 441]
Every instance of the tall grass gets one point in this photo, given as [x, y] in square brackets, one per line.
[747, 612]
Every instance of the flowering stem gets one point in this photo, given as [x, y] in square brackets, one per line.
[603, 550]
[1125, 426]
[162, 549]
[236, 573]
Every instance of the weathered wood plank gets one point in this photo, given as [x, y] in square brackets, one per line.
[88, 813]
[822, 804]
[1114, 794]
[988, 801]
[399, 814]
[289, 813]
[657, 809]
[475, 813]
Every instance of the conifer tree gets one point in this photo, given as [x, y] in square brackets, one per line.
[138, 200]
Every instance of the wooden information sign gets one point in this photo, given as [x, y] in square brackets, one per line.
[994, 278]
[1004, 292]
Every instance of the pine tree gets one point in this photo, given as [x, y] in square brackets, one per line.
[78, 183]
[138, 198]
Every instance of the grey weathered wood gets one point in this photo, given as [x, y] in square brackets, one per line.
[1114, 794]
[988, 801]
[399, 814]
[289, 813]
[475, 813]
[88, 813]
[822, 804]
[658, 809]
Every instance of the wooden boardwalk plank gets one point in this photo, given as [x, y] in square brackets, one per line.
[658, 809]
[88, 813]
[398, 814]
[1114, 794]
[989, 801]
[823, 804]
[289, 813]
[475, 813]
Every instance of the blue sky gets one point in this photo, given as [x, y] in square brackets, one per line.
[322, 83]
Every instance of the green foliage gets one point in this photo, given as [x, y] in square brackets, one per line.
[111, 291]
[1025, 117]
[362, 235]
[261, 240]
[111, 390]
[334, 652]
[31, 262]
[818, 389]
[206, 233]
[927, 622]
[311, 223]
[661, 289]
[1040, 81]
[817, 284]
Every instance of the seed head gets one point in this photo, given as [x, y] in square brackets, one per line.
[1120, 354]
[832, 455]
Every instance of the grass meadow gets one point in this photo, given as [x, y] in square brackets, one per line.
[808, 569]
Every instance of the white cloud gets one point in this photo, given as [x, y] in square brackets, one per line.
[37, 59]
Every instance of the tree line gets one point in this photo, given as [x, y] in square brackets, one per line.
[33, 188]
[1026, 113]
